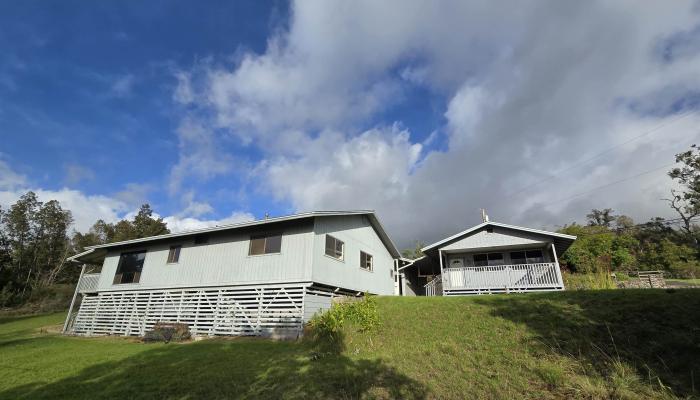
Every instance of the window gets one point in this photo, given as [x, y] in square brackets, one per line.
[334, 247]
[366, 261]
[129, 268]
[201, 239]
[174, 254]
[265, 244]
[534, 256]
[518, 257]
[526, 257]
[490, 259]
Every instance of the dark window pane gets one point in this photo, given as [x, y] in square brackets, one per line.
[481, 260]
[496, 259]
[518, 257]
[365, 261]
[174, 254]
[273, 244]
[257, 246]
[334, 247]
[130, 266]
[535, 256]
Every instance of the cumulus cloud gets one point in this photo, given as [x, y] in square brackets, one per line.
[529, 88]
[75, 173]
[180, 224]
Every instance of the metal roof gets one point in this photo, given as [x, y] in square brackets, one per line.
[369, 213]
[498, 224]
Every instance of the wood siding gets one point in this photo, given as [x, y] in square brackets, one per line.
[500, 237]
[224, 260]
[359, 235]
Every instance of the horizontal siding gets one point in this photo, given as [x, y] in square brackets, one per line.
[359, 235]
[498, 238]
[223, 261]
[314, 304]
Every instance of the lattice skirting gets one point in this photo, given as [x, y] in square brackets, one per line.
[233, 310]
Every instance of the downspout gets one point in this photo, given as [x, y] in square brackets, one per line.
[72, 302]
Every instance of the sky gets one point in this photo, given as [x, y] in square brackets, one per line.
[218, 112]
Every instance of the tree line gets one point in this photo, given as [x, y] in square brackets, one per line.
[36, 239]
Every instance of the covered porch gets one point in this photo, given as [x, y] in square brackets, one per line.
[495, 259]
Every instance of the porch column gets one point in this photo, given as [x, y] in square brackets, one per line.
[72, 302]
[442, 277]
[556, 264]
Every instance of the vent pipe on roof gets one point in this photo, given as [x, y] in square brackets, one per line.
[484, 216]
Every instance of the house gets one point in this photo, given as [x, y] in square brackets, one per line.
[263, 277]
[268, 277]
[488, 258]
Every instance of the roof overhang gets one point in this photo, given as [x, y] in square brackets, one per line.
[93, 253]
[560, 241]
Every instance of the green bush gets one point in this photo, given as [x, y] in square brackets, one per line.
[328, 326]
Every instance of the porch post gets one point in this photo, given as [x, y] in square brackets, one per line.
[556, 264]
[72, 302]
[442, 277]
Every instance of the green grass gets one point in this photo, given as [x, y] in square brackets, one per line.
[584, 344]
[688, 281]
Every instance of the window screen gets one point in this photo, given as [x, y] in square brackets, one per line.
[518, 257]
[174, 254]
[129, 268]
[366, 261]
[483, 260]
[534, 256]
[265, 244]
[334, 247]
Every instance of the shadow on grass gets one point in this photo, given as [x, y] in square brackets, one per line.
[239, 368]
[657, 332]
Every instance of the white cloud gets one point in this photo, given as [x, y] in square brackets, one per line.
[180, 224]
[10, 179]
[76, 173]
[530, 88]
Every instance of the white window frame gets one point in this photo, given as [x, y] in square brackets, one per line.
[335, 248]
[371, 262]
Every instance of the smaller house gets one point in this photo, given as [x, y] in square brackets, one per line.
[488, 258]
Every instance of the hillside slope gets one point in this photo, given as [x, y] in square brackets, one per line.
[605, 344]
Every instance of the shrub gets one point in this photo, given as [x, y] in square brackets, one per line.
[166, 332]
[326, 328]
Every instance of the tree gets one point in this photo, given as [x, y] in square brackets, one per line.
[602, 217]
[414, 252]
[686, 201]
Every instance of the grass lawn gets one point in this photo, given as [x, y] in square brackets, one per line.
[688, 281]
[600, 344]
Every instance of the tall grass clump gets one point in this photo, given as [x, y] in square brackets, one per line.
[591, 281]
[326, 328]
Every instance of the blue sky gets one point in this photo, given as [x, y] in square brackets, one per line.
[218, 112]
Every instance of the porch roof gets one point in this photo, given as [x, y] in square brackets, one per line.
[560, 241]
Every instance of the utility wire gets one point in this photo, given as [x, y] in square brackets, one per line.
[610, 184]
[666, 222]
[602, 153]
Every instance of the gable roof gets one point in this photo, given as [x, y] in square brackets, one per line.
[370, 214]
[565, 240]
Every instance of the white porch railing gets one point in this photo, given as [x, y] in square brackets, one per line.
[88, 283]
[503, 278]
[434, 287]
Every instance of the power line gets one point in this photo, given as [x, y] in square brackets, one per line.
[606, 151]
[610, 184]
